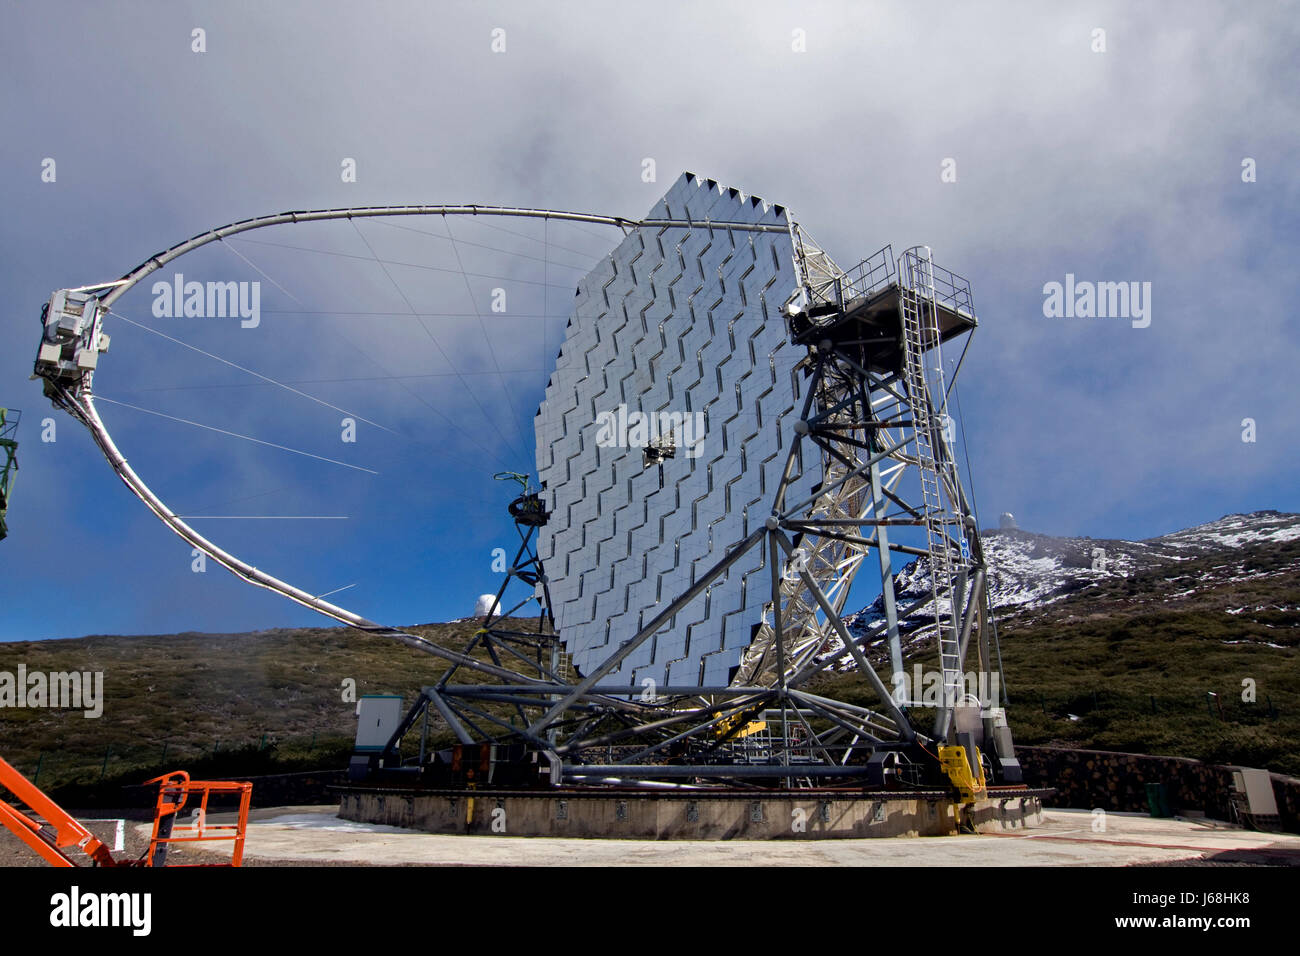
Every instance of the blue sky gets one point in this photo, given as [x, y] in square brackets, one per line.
[1122, 165]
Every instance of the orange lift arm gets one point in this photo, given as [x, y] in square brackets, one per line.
[61, 832]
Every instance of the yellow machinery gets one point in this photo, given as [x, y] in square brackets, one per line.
[728, 727]
[954, 762]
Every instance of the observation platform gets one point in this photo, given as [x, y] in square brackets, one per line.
[863, 308]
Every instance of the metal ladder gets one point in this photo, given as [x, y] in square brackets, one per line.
[921, 338]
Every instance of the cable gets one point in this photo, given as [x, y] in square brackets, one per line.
[481, 245]
[363, 353]
[233, 501]
[328, 381]
[254, 267]
[385, 262]
[264, 378]
[514, 415]
[993, 626]
[472, 393]
[546, 221]
[213, 428]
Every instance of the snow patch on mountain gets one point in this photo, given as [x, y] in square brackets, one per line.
[1028, 571]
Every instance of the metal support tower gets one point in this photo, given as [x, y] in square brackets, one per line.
[871, 427]
[873, 417]
[8, 461]
[922, 371]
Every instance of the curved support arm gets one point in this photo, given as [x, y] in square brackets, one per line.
[73, 392]
[122, 286]
[84, 408]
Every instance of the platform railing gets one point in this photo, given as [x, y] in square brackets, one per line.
[952, 291]
[868, 277]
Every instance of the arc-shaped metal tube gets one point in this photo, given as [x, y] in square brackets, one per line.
[79, 400]
[155, 262]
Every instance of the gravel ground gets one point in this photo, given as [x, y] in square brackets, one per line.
[102, 823]
[286, 837]
[13, 852]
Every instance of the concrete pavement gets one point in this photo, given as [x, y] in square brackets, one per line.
[315, 835]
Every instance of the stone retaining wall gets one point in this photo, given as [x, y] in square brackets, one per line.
[682, 816]
[1088, 779]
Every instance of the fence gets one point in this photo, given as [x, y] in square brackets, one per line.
[1216, 705]
[132, 763]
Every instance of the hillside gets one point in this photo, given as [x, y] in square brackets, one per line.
[229, 702]
[1127, 658]
[1028, 571]
[1122, 659]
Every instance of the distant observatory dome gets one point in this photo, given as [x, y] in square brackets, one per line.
[1007, 522]
[487, 604]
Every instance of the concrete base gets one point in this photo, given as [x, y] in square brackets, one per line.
[690, 815]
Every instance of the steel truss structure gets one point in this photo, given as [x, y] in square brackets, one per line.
[874, 413]
[9, 418]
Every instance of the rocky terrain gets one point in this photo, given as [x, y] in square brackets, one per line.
[1030, 572]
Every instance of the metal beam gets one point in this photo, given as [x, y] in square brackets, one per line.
[612, 662]
[904, 726]
[441, 706]
[943, 720]
[713, 770]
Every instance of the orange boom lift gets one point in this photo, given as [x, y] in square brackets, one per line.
[53, 833]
